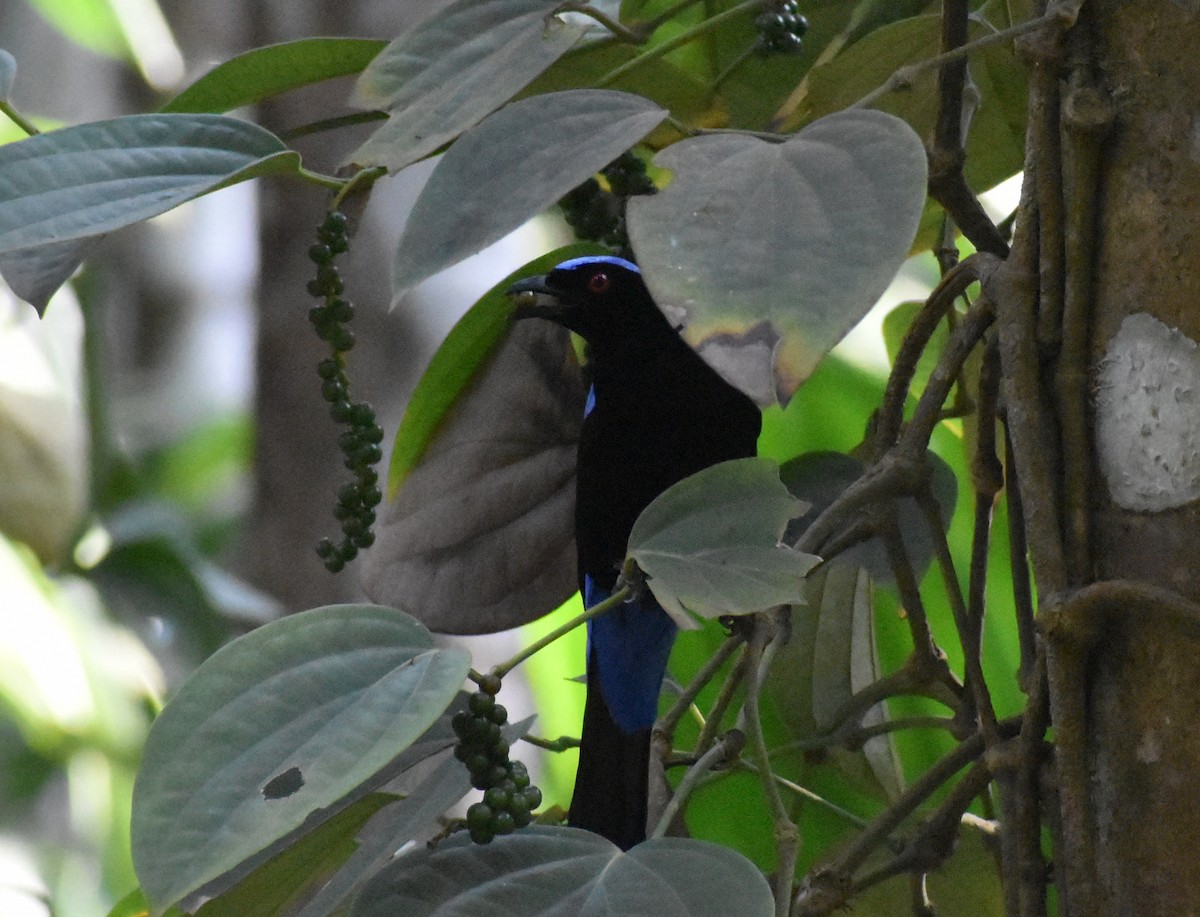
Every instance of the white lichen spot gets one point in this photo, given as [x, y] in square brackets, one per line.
[1149, 749]
[1147, 416]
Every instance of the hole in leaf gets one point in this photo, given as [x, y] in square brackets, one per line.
[283, 785]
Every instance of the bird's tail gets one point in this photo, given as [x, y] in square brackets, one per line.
[613, 777]
[628, 650]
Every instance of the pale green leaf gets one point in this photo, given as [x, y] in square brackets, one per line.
[276, 726]
[93, 178]
[451, 71]
[61, 190]
[711, 543]
[771, 252]
[513, 166]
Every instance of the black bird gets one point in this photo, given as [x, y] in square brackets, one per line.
[656, 414]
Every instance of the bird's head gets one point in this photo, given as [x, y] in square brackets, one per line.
[599, 297]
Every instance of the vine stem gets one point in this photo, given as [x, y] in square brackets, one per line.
[729, 746]
[595, 611]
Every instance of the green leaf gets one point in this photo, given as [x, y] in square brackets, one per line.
[459, 358]
[298, 871]
[66, 187]
[281, 723]
[558, 871]
[265, 72]
[484, 468]
[35, 274]
[449, 72]
[513, 166]
[845, 661]
[771, 252]
[995, 144]
[710, 544]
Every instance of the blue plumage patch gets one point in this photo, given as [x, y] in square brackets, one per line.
[597, 259]
[632, 644]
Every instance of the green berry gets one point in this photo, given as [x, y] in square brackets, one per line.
[329, 368]
[500, 750]
[334, 564]
[320, 253]
[496, 797]
[479, 816]
[496, 775]
[483, 836]
[498, 714]
[333, 390]
[533, 796]
[365, 539]
[481, 704]
[518, 774]
[502, 823]
[325, 548]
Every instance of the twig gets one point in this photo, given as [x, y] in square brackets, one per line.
[7, 109]
[722, 753]
[1060, 16]
[1018, 561]
[761, 650]
[916, 339]
[661, 50]
[598, 609]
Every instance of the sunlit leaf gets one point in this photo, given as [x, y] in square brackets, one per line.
[771, 252]
[513, 166]
[710, 544]
[452, 70]
[265, 72]
[91, 24]
[281, 723]
[543, 871]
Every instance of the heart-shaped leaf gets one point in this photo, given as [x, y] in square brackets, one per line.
[512, 167]
[564, 872]
[279, 724]
[451, 71]
[710, 544]
[480, 534]
[773, 251]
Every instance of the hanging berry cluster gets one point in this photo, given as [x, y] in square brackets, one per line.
[781, 28]
[597, 214]
[508, 797]
[360, 441]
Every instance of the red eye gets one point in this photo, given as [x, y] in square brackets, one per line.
[598, 283]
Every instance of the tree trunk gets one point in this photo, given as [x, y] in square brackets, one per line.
[1141, 735]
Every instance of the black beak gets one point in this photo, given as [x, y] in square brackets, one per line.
[538, 299]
